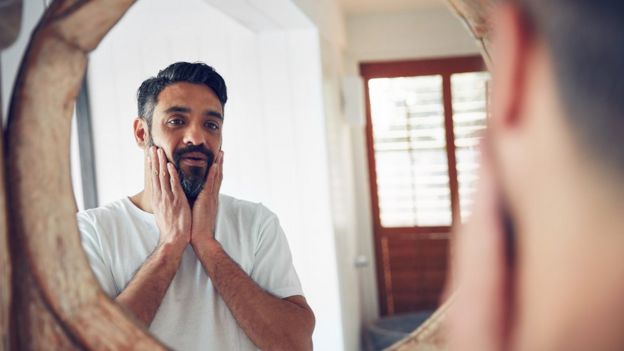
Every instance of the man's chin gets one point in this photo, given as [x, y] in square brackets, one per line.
[194, 171]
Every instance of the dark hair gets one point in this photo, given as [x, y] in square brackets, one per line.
[586, 42]
[196, 73]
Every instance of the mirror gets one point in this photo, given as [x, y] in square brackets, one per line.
[280, 102]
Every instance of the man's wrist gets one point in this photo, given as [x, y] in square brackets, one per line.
[206, 248]
[170, 252]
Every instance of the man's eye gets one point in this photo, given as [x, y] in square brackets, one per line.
[175, 121]
[212, 125]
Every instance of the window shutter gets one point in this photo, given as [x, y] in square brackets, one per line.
[468, 92]
[410, 151]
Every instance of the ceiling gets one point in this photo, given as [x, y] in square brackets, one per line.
[377, 6]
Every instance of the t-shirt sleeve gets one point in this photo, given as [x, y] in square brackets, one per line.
[273, 269]
[93, 249]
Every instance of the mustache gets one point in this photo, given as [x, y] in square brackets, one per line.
[179, 153]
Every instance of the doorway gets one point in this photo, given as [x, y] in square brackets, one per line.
[424, 122]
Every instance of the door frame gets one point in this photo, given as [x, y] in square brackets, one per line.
[407, 68]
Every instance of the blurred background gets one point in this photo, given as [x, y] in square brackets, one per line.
[355, 121]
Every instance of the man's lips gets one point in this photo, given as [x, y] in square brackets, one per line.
[194, 159]
[194, 156]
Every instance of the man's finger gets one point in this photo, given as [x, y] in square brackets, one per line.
[210, 179]
[219, 179]
[153, 162]
[176, 187]
[164, 173]
[213, 177]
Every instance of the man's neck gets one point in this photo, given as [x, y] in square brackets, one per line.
[143, 201]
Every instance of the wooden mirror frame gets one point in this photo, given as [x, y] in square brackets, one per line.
[49, 298]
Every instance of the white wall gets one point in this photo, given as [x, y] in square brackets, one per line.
[408, 35]
[343, 197]
[274, 131]
[145, 41]
[329, 19]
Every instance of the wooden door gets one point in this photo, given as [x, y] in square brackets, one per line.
[418, 192]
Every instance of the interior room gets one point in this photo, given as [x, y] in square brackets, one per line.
[355, 121]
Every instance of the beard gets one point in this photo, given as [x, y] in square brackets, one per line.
[192, 182]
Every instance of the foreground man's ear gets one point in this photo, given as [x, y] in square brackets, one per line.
[141, 133]
[512, 46]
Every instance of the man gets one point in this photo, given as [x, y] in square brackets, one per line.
[202, 270]
[551, 277]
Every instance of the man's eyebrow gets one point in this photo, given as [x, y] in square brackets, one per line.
[211, 113]
[180, 109]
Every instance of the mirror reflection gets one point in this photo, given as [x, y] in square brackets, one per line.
[349, 169]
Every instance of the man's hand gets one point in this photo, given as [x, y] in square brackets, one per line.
[145, 292]
[270, 322]
[204, 211]
[170, 206]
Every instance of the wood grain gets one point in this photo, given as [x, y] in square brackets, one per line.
[430, 336]
[475, 15]
[5, 258]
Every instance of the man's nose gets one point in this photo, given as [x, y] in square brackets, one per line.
[194, 135]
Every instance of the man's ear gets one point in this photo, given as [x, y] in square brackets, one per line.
[511, 50]
[141, 132]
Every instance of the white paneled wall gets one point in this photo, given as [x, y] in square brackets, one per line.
[274, 133]
[305, 155]
[148, 39]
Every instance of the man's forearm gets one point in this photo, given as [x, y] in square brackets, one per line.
[270, 322]
[145, 292]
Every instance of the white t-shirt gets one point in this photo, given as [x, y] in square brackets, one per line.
[119, 237]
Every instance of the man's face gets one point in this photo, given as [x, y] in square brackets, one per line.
[187, 124]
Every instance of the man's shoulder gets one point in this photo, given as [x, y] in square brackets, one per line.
[110, 214]
[234, 207]
[231, 203]
[112, 208]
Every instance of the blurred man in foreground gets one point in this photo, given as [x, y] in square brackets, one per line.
[552, 277]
